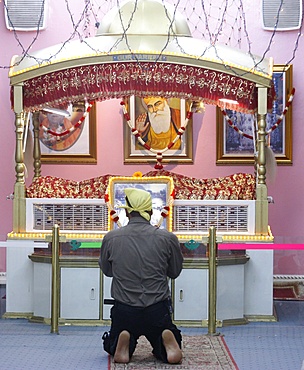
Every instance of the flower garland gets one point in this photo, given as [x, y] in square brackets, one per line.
[70, 130]
[280, 119]
[113, 214]
[159, 153]
[164, 212]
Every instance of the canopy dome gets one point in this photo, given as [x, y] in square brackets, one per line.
[144, 17]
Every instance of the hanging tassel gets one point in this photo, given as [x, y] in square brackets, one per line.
[159, 158]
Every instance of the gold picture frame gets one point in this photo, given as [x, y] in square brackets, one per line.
[235, 149]
[134, 153]
[83, 149]
[160, 187]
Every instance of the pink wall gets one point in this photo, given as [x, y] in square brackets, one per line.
[285, 215]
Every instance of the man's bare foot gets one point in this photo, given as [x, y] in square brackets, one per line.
[122, 349]
[174, 353]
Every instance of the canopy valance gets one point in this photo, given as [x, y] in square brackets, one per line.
[117, 80]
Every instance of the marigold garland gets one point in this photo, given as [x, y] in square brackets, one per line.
[280, 119]
[159, 153]
[70, 130]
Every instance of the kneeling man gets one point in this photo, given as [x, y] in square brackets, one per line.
[140, 257]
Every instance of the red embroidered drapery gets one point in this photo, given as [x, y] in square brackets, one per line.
[121, 79]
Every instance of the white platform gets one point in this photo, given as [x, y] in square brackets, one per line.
[243, 290]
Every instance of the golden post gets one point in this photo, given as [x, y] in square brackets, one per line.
[55, 280]
[212, 281]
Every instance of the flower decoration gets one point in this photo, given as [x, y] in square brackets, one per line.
[165, 211]
[113, 214]
[137, 174]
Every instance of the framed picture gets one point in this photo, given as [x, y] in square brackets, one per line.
[160, 188]
[157, 121]
[233, 148]
[70, 138]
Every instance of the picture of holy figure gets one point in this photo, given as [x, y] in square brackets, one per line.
[157, 121]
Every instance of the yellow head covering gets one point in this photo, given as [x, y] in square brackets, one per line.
[139, 201]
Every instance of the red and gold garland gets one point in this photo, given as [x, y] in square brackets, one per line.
[280, 119]
[159, 153]
[113, 214]
[70, 130]
[165, 211]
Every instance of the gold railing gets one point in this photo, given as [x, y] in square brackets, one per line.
[212, 280]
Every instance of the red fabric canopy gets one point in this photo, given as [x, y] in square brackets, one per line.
[121, 79]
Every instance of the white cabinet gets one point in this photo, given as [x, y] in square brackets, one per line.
[190, 290]
[42, 291]
[259, 284]
[190, 294]
[80, 293]
[19, 280]
[230, 292]
[244, 289]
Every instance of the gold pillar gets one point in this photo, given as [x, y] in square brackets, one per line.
[19, 218]
[36, 150]
[55, 280]
[212, 281]
[261, 191]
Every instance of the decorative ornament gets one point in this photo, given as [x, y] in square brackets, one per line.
[192, 245]
[75, 245]
[159, 153]
[165, 211]
[113, 214]
[280, 119]
[78, 124]
[137, 174]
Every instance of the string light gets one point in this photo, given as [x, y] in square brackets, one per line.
[223, 22]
